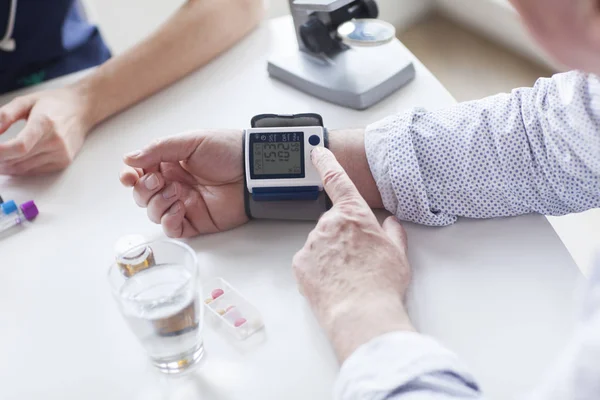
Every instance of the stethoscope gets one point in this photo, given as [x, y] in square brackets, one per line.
[7, 43]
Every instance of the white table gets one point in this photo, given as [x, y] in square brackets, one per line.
[498, 292]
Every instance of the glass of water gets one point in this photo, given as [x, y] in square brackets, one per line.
[156, 287]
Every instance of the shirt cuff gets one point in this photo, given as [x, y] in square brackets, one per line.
[381, 366]
[376, 144]
[395, 168]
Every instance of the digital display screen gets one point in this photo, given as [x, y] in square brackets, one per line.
[277, 155]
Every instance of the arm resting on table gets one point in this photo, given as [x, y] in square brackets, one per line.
[533, 150]
[198, 32]
[404, 366]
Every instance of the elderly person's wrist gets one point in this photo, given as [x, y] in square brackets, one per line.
[348, 146]
[358, 319]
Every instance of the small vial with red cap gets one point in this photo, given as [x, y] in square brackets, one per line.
[25, 212]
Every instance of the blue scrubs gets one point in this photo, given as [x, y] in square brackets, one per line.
[52, 37]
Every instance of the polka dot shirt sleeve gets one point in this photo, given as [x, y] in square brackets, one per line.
[404, 366]
[533, 150]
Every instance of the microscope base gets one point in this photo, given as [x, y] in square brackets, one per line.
[357, 78]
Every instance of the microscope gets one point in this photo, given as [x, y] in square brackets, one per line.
[330, 64]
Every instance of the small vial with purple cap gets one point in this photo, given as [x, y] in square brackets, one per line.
[9, 207]
[26, 212]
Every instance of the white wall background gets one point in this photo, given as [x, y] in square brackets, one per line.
[123, 23]
[403, 13]
[497, 20]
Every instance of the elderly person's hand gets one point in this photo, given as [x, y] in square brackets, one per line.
[190, 184]
[353, 271]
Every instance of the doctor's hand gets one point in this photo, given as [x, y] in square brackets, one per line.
[190, 184]
[353, 271]
[55, 129]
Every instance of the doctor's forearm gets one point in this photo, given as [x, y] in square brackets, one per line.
[199, 31]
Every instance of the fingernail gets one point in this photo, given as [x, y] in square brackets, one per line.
[316, 151]
[170, 191]
[151, 182]
[175, 208]
[133, 154]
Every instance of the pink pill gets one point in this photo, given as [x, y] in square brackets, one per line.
[239, 322]
[216, 293]
[229, 308]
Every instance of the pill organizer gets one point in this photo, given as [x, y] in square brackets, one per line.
[231, 310]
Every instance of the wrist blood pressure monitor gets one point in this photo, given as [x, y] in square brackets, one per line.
[281, 181]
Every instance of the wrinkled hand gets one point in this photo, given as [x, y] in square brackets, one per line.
[353, 272]
[190, 184]
[53, 135]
